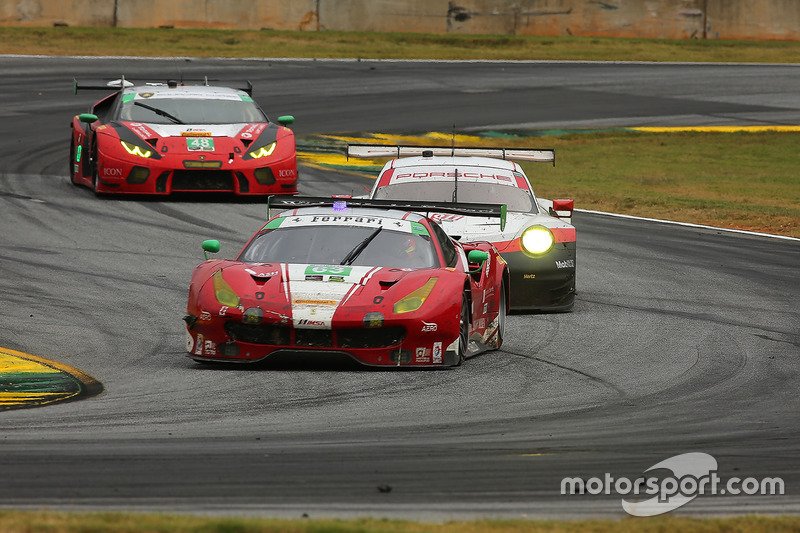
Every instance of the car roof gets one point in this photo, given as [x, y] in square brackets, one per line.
[162, 90]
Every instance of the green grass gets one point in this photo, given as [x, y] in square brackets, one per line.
[736, 180]
[327, 44]
[25, 522]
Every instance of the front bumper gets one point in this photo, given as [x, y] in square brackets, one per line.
[545, 283]
[165, 176]
[219, 340]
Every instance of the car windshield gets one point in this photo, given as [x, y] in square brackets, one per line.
[515, 198]
[335, 245]
[191, 111]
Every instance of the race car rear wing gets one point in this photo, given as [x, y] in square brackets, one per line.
[468, 209]
[113, 85]
[121, 83]
[374, 151]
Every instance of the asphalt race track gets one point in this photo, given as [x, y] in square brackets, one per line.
[682, 339]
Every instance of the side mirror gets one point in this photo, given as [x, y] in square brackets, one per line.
[478, 257]
[285, 120]
[87, 117]
[210, 246]
[563, 208]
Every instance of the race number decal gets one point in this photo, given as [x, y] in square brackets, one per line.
[200, 144]
[330, 270]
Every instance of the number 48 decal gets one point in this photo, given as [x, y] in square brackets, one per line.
[202, 144]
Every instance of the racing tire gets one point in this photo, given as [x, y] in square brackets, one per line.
[70, 171]
[463, 331]
[501, 316]
[94, 178]
[94, 173]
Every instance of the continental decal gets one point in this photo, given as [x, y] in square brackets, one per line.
[300, 301]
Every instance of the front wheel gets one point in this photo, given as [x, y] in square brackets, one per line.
[501, 317]
[463, 332]
[94, 171]
[71, 171]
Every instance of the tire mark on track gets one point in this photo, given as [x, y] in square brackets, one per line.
[600, 381]
[693, 316]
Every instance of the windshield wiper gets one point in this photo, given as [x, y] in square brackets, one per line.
[352, 254]
[161, 112]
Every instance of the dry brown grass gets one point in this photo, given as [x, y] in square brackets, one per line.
[268, 43]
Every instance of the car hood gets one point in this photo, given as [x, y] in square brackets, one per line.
[189, 130]
[309, 295]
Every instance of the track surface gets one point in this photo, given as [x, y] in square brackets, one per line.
[682, 340]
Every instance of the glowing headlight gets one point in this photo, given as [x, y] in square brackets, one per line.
[414, 300]
[135, 150]
[537, 240]
[264, 151]
[224, 292]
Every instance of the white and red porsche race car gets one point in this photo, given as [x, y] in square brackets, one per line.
[538, 240]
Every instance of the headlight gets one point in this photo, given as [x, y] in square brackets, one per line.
[224, 293]
[537, 240]
[264, 151]
[135, 150]
[414, 300]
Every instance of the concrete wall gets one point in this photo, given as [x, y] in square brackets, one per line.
[670, 19]
[50, 12]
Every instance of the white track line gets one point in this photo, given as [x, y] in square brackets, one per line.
[690, 225]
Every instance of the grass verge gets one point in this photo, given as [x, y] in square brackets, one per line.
[25, 522]
[169, 42]
[737, 180]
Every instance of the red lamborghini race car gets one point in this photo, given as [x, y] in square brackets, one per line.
[160, 138]
[382, 285]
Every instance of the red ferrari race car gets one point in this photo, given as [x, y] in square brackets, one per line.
[364, 278]
[160, 138]
[539, 240]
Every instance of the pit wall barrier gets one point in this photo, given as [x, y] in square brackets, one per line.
[661, 19]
